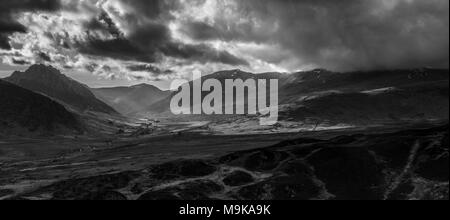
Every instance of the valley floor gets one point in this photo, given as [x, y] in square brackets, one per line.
[390, 162]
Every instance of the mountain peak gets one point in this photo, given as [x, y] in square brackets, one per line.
[51, 82]
[146, 87]
[41, 68]
[40, 72]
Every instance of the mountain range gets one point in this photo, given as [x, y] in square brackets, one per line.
[52, 83]
[129, 100]
[354, 97]
[357, 98]
[163, 106]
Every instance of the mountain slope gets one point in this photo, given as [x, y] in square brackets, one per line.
[132, 99]
[50, 82]
[366, 97]
[163, 106]
[353, 98]
[22, 110]
[419, 102]
[304, 83]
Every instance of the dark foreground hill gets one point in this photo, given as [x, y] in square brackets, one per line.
[52, 83]
[23, 111]
[405, 165]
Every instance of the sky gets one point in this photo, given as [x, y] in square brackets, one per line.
[124, 42]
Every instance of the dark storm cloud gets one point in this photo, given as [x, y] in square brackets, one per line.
[148, 40]
[342, 35]
[8, 27]
[225, 31]
[139, 46]
[29, 5]
[103, 22]
[148, 68]
[119, 48]
[281, 35]
[20, 62]
[8, 8]
[150, 36]
[91, 67]
[201, 53]
[45, 57]
[151, 9]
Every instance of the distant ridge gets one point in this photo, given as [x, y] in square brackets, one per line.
[163, 106]
[353, 97]
[128, 100]
[52, 83]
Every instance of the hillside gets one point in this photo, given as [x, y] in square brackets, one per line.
[358, 98]
[304, 83]
[366, 97]
[22, 110]
[425, 102]
[52, 83]
[127, 100]
[163, 106]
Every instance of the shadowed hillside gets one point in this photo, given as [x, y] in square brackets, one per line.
[419, 102]
[50, 82]
[163, 106]
[305, 83]
[132, 99]
[23, 110]
[357, 98]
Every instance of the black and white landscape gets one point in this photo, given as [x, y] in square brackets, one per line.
[363, 91]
